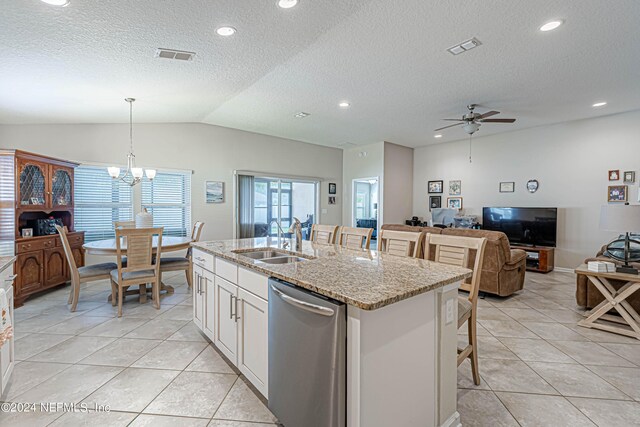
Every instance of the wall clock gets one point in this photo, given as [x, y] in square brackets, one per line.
[532, 185]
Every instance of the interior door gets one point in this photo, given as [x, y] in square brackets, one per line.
[226, 336]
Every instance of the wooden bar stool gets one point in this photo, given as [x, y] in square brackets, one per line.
[355, 238]
[324, 233]
[401, 243]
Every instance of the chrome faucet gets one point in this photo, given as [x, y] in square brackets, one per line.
[296, 227]
[285, 244]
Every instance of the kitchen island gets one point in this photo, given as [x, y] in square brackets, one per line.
[401, 322]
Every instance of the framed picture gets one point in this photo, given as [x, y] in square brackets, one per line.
[435, 186]
[332, 188]
[27, 232]
[332, 200]
[629, 177]
[35, 201]
[214, 191]
[454, 203]
[507, 187]
[435, 202]
[455, 188]
[614, 175]
[617, 193]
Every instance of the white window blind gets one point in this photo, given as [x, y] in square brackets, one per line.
[168, 198]
[99, 202]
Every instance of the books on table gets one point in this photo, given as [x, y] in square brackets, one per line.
[601, 266]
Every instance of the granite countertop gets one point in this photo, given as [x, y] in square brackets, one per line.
[6, 261]
[365, 279]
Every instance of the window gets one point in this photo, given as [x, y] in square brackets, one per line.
[168, 198]
[100, 201]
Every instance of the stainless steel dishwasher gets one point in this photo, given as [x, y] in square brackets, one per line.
[307, 357]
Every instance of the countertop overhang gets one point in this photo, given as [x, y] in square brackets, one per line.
[362, 278]
[6, 261]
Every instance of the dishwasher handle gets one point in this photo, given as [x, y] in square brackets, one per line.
[303, 305]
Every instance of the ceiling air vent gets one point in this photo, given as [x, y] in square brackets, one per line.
[179, 55]
[301, 115]
[464, 46]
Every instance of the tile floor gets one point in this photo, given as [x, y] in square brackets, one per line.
[154, 368]
[539, 368]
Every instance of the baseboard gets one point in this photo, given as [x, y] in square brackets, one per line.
[563, 269]
[453, 421]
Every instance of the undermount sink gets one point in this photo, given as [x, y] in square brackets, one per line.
[270, 256]
[262, 254]
[282, 260]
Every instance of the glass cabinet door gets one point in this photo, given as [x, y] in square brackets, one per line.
[32, 185]
[61, 188]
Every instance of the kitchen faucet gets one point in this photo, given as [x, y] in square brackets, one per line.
[296, 227]
[285, 244]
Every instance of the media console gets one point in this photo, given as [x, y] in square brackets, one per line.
[539, 258]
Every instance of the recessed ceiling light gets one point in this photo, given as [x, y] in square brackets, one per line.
[437, 136]
[301, 115]
[287, 4]
[599, 104]
[62, 3]
[551, 25]
[226, 31]
[344, 104]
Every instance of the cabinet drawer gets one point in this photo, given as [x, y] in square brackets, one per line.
[203, 259]
[227, 270]
[253, 282]
[75, 240]
[35, 245]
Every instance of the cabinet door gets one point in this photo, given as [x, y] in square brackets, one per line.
[30, 271]
[55, 266]
[61, 187]
[253, 331]
[198, 308]
[7, 360]
[33, 184]
[208, 302]
[226, 336]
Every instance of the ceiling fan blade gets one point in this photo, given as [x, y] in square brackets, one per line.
[488, 114]
[450, 126]
[454, 120]
[497, 120]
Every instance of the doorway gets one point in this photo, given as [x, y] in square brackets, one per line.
[366, 203]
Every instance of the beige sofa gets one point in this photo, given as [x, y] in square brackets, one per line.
[503, 268]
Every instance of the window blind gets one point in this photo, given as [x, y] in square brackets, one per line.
[168, 198]
[99, 202]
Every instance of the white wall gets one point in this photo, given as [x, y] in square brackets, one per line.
[212, 152]
[570, 160]
[358, 165]
[398, 183]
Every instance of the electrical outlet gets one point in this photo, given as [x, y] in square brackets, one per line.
[448, 317]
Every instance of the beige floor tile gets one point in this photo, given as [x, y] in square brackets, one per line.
[227, 423]
[43, 321]
[465, 378]
[157, 329]
[171, 355]
[36, 343]
[480, 330]
[602, 336]
[488, 348]
[479, 408]
[146, 311]
[94, 419]
[503, 302]
[188, 332]
[179, 312]
[625, 379]
[514, 376]
[122, 352]
[132, 389]
[492, 313]
[576, 380]
[511, 328]
[631, 352]
[241, 404]
[562, 316]
[75, 325]
[28, 419]
[532, 410]
[27, 375]
[590, 353]
[193, 394]
[526, 315]
[72, 350]
[609, 413]
[144, 420]
[173, 299]
[71, 385]
[210, 361]
[553, 331]
[116, 327]
[536, 350]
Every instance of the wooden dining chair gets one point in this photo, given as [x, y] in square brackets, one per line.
[142, 266]
[124, 224]
[182, 263]
[355, 238]
[79, 275]
[458, 250]
[401, 243]
[324, 233]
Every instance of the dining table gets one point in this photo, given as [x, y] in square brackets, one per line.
[108, 247]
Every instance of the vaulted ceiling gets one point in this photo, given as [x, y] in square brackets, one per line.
[388, 59]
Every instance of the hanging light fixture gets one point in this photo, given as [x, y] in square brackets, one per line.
[133, 175]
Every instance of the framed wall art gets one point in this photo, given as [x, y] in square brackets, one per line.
[214, 191]
[629, 177]
[454, 203]
[455, 188]
[507, 187]
[332, 188]
[332, 200]
[435, 202]
[435, 187]
[614, 175]
[617, 193]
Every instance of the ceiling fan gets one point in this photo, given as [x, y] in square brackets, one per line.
[471, 121]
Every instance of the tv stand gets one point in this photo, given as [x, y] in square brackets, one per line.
[539, 258]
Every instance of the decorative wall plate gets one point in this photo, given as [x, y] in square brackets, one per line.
[532, 185]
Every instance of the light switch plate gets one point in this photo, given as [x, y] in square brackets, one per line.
[324, 211]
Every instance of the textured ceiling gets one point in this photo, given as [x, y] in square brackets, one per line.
[388, 58]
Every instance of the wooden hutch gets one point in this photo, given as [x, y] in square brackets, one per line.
[37, 187]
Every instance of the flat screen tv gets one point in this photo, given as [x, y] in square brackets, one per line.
[523, 226]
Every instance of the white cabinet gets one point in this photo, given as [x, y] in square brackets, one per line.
[226, 297]
[253, 342]
[198, 303]
[7, 358]
[208, 298]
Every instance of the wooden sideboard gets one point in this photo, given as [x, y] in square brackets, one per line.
[37, 187]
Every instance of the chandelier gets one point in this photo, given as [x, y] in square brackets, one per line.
[133, 175]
